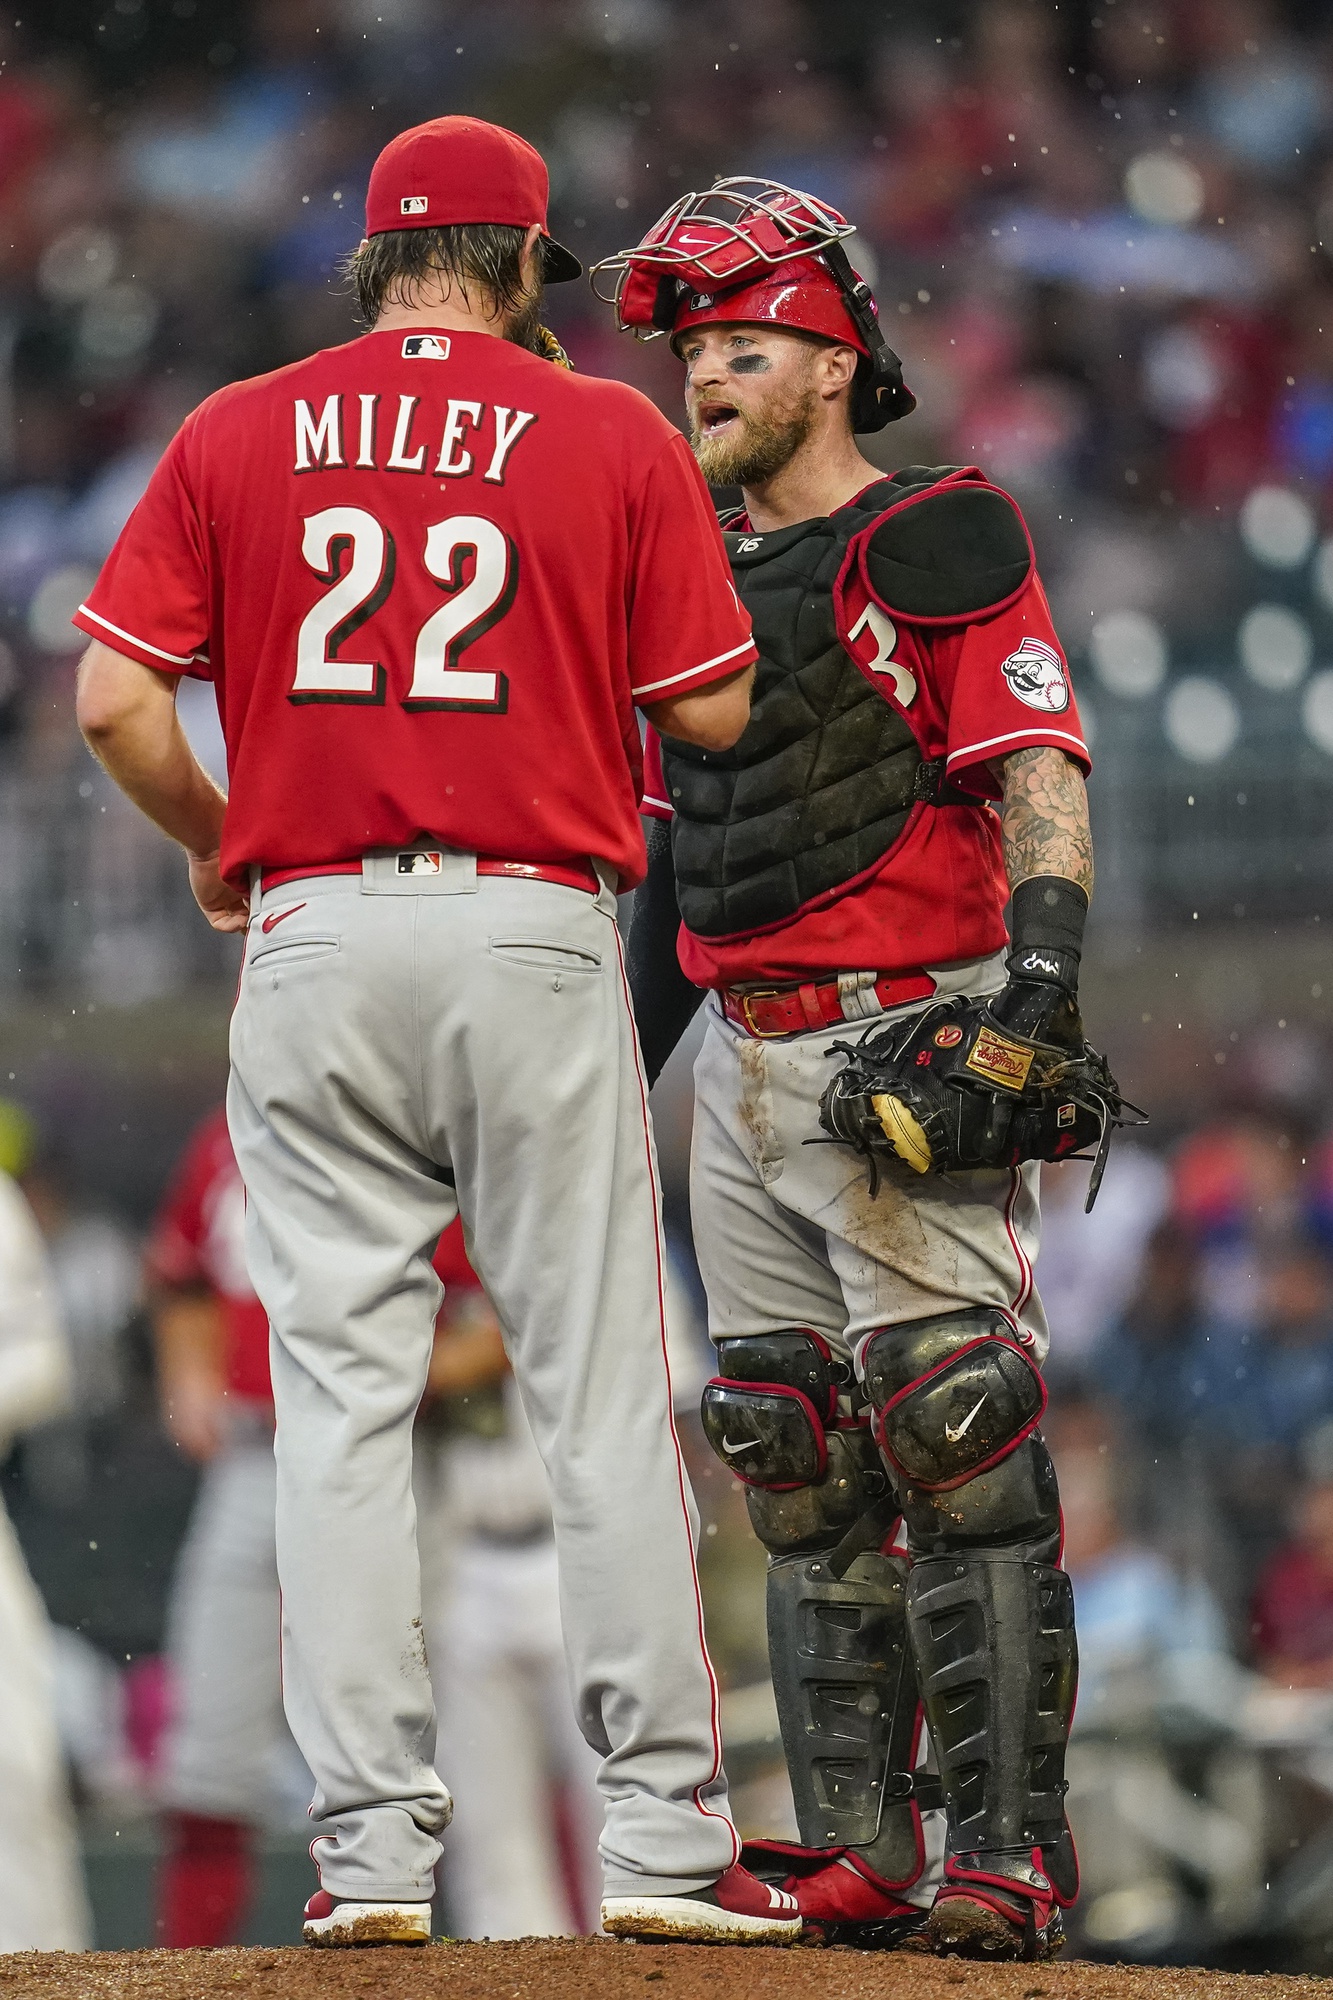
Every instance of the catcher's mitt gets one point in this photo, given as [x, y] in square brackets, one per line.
[545, 343]
[954, 1088]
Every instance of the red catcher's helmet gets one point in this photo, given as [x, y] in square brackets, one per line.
[758, 252]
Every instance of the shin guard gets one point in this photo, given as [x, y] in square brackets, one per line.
[993, 1638]
[848, 1707]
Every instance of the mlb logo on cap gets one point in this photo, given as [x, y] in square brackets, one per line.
[415, 204]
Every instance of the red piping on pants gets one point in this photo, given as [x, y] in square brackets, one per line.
[714, 1715]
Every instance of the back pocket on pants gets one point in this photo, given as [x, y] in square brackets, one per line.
[546, 954]
[292, 951]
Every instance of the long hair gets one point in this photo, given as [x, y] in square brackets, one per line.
[474, 256]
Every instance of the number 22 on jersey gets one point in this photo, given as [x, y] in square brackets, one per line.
[470, 609]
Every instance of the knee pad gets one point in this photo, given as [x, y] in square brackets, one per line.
[1015, 1506]
[765, 1413]
[770, 1417]
[952, 1397]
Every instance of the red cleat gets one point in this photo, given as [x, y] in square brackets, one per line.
[1002, 1911]
[840, 1898]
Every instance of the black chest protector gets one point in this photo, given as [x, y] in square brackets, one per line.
[820, 785]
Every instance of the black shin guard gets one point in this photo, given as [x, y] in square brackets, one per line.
[993, 1638]
[848, 1707]
[821, 1503]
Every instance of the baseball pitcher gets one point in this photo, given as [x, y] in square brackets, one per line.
[431, 574]
[881, 1068]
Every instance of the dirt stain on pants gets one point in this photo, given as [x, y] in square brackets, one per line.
[756, 1112]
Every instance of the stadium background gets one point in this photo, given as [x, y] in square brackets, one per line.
[1102, 240]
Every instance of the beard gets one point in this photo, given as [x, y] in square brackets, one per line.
[756, 447]
[524, 325]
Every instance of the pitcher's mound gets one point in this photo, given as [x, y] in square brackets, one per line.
[597, 1969]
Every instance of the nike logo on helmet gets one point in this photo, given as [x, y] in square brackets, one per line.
[746, 1444]
[953, 1435]
[280, 916]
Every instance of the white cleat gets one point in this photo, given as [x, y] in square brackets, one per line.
[736, 1909]
[330, 1920]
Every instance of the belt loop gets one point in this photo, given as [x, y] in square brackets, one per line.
[808, 995]
[857, 996]
[256, 889]
[606, 895]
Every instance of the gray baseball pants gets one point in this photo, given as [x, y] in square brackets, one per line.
[788, 1234]
[398, 1037]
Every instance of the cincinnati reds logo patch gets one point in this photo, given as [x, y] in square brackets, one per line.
[1036, 674]
[948, 1038]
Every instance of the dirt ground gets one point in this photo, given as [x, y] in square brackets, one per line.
[597, 1969]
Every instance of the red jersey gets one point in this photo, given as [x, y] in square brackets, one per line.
[430, 575]
[970, 693]
[198, 1240]
[1292, 1617]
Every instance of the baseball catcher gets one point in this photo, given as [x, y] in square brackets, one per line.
[884, 1063]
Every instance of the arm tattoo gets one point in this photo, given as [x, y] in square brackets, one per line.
[1045, 818]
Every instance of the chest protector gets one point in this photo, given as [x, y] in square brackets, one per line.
[821, 784]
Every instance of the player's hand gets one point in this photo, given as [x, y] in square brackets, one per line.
[194, 1409]
[1042, 1010]
[226, 908]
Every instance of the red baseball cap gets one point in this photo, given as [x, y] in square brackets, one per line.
[463, 170]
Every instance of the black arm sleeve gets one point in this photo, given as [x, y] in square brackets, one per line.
[664, 1000]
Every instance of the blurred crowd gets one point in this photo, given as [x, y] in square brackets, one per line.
[1191, 1420]
[1102, 240]
[1097, 236]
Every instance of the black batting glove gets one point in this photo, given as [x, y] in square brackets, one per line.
[1041, 998]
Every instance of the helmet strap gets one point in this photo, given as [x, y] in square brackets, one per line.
[886, 370]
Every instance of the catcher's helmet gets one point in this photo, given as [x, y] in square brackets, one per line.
[756, 251]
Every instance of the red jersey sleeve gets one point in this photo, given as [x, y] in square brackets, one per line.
[686, 624]
[1011, 691]
[655, 804]
[151, 601]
